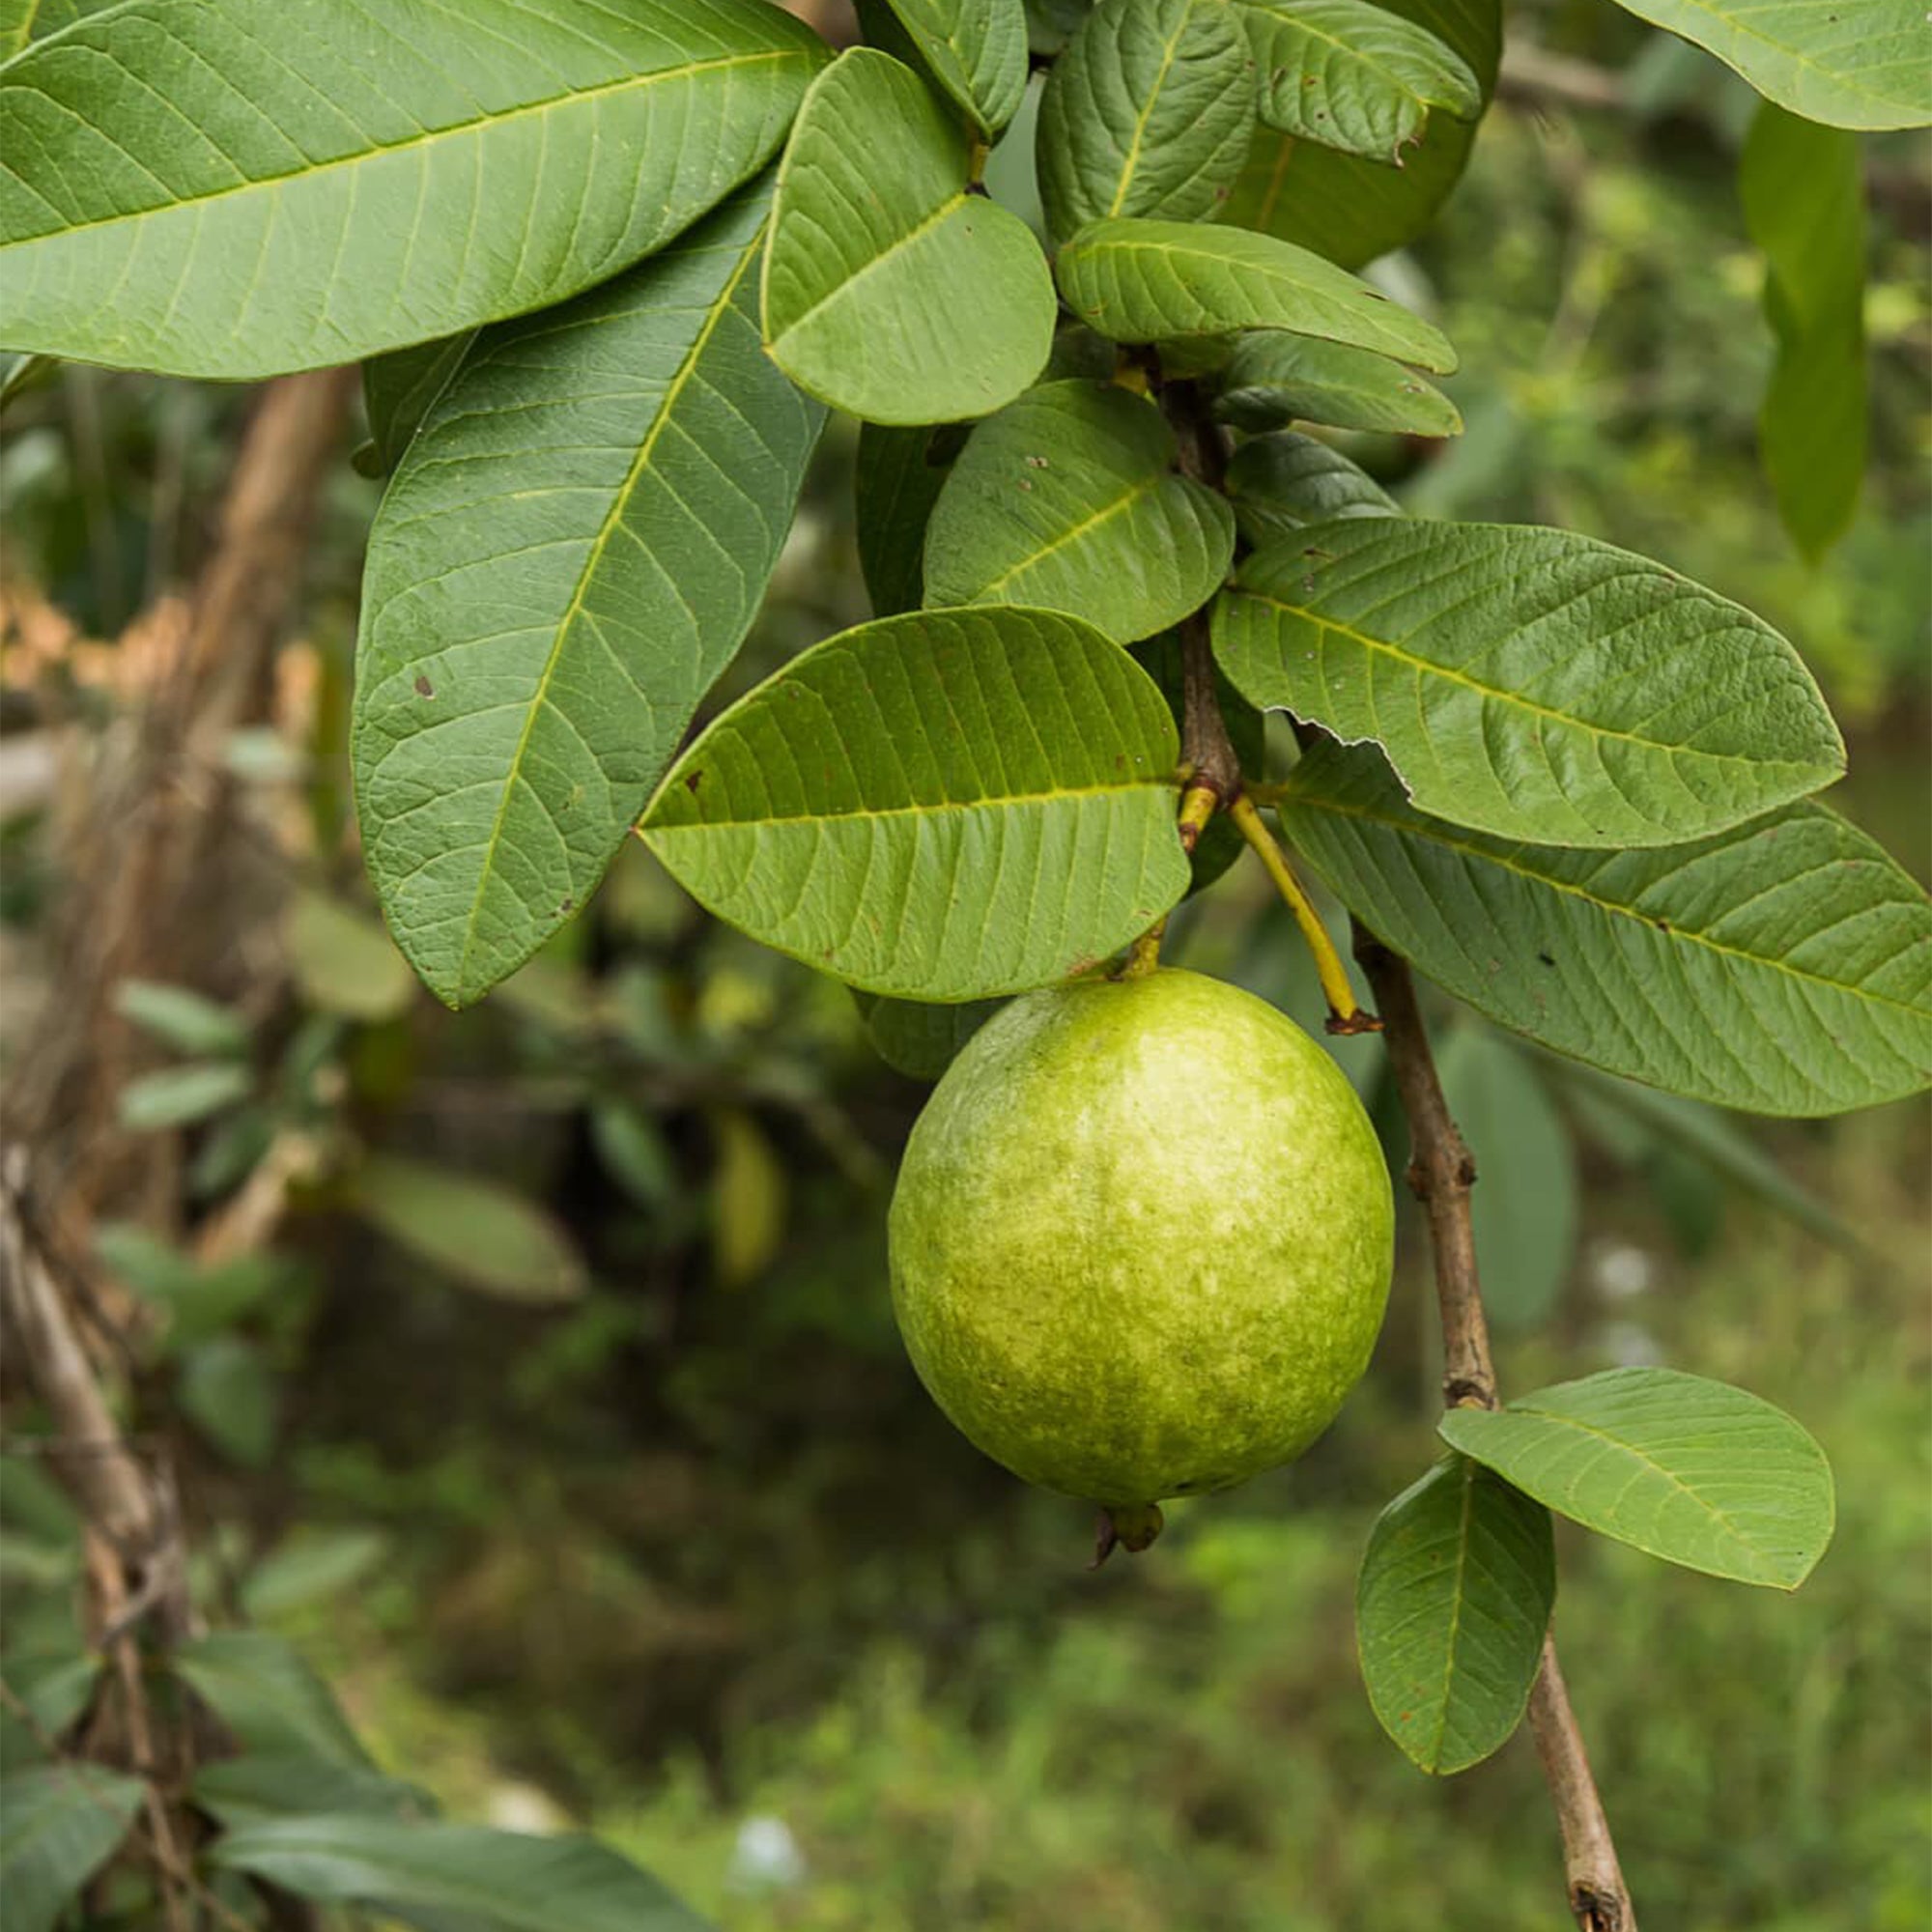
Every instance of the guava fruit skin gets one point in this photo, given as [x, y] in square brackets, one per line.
[1142, 1238]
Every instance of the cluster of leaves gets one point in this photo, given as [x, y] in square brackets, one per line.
[602, 330]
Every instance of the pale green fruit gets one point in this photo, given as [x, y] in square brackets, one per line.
[1142, 1239]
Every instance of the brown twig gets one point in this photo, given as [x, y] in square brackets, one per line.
[1441, 1174]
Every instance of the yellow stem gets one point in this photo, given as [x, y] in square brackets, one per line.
[1345, 1015]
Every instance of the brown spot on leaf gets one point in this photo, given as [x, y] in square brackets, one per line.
[424, 688]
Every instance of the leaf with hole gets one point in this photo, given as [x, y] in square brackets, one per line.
[1679, 1466]
[1529, 682]
[1782, 967]
[1451, 1607]
[189, 192]
[1149, 111]
[1272, 379]
[889, 291]
[1144, 281]
[1068, 499]
[947, 806]
[571, 552]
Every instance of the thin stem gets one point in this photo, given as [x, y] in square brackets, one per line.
[1441, 1175]
[1345, 1014]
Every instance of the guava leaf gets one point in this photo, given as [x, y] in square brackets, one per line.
[917, 1039]
[977, 53]
[1529, 682]
[571, 552]
[1281, 483]
[1678, 1466]
[59, 1824]
[219, 190]
[1782, 967]
[266, 1695]
[1068, 501]
[1354, 77]
[946, 805]
[897, 479]
[1451, 1609]
[889, 291]
[1149, 111]
[1146, 281]
[1272, 379]
[398, 389]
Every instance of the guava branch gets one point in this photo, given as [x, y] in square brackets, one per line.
[1441, 1174]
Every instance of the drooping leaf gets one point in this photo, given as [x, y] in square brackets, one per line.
[1524, 1208]
[949, 804]
[897, 479]
[1451, 1607]
[188, 191]
[1150, 111]
[1678, 1466]
[181, 1018]
[1144, 281]
[921, 1041]
[1272, 379]
[1782, 967]
[1846, 63]
[572, 551]
[1068, 501]
[1281, 483]
[1803, 200]
[977, 53]
[1350, 210]
[477, 1232]
[505, 1880]
[59, 1824]
[1530, 682]
[889, 289]
[269, 1697]
[1354, 76]
[398, 389]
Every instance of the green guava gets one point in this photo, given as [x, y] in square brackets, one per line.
[1141, 1241]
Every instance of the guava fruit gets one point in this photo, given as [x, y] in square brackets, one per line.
[1141, 1241]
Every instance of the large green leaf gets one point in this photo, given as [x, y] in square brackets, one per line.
[1281, 483]
[1068, 501]
[1352, 210]
[1354, 76]
[897, 479]
[1782, 967]
[571, 552]
[269, 1698]
[889, 289]
[24, 20]
[221, 189]
[58, 1825]
[977, 53]
[1149, 111]
[1679, 1466]
[505, 1880]
[1803, 200]
[1529, 682]
[1146, 281]
[1451, 1607]
[1272, 379]
[949, 804]
[1848, 63]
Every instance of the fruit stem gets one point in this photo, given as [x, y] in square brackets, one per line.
[1345, 1014]
[1129, 1526]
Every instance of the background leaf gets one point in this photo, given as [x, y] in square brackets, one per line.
[571, 553]
[344, 962]
[1149, 111]
[269, 1698]
[1529, 682]
[1451, 1607]
[225, 1389]
[1272, 379]
[947, 806]
[177, 1096]
[1281, 483]
[1144, 281]
[58, 1825]
[899, 475]
[1804, 206]
[921, 1041]
[889, 290]
[181, 1018]
[366, 177]
[1068, 501]
[977, 53]
[1679, 1466]
[1782, 967]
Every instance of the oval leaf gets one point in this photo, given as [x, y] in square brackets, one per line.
[1273, 380]
[1067, 501]
[889, 290]
[1677, 1465]
[1150, 111]
[1144, 281]
[1281, 483]
[1784, 967]
[1528, 682]
[1354, 77]
[1451, 1609]
[571, 552]
[185, 190]
[949, 805]
[976, 52]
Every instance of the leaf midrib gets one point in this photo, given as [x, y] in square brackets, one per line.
[846, 283]
[1150, 100]
[1454, 1631]
[1072, 534]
